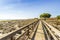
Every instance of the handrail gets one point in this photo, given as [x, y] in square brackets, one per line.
[48, 27]
[56, 26]
[11, 34]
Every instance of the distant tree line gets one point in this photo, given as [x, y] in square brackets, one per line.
[47, 15]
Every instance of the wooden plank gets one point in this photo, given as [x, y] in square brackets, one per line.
[40, 34]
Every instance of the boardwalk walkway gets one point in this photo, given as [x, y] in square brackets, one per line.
[40, 34]
[34, 31]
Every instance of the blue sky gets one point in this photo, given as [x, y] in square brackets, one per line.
[22, 9]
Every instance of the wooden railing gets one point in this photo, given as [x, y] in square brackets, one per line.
[24, 33]
[50, 30]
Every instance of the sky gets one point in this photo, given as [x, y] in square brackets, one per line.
[25, 9]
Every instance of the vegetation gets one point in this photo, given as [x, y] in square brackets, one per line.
[58, 17]
[45, 15]
[11, 25]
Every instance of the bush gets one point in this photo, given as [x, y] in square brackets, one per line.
[58, 17]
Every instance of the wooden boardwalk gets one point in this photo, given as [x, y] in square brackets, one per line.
[34, 31]
[39, 34]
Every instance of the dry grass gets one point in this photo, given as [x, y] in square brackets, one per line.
[10, 25]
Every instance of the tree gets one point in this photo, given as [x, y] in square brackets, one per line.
[45, 15]
[58, 17]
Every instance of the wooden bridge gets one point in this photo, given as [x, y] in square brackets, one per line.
[37, 30]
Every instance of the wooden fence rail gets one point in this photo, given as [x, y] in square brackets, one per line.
[49, 30]
[23, 33]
